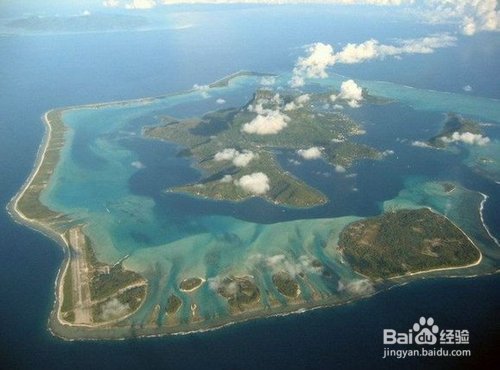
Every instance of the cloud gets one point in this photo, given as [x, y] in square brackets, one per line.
[215, 283]
[268, 81]
[203, 89]
[113, 309]
[322, 56]
[311, 153]
[138, 164]
[226, 179]
[350, 92]
[220, 101]
[358, 287]
[297, 103]
[467, 138]
[279, 262]
[141, 4]
[340, 169]
[472, 15]
[243, 159]
[467, 88]
[297, 80]
[256, 183]
[225, 155]
[111, 3]
[387, 153]
[240, 159]
[420, 144]
[266, 124]
[303, 99]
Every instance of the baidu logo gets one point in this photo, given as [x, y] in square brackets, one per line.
[425, 338]
[427, 331]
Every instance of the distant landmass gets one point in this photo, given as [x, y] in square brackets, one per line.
[80, 23]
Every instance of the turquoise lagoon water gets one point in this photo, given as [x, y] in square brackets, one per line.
[113, 180]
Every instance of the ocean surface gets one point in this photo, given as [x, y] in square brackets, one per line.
[40, 72]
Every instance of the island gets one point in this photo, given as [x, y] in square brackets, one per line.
[406, 242]
[235, 147]
[457, 128]
[137, 266]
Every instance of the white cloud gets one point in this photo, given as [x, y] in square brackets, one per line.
[256, 183]
[214, 283]
[138, 164]
[387, 153]
[86, 13]
[303, 99]
[340, 169]
[322, 56]
[311, 153]
[467, 138]
[243, 159]
[203, 89]
[267, 124]
[472, 15]
[358, 53]
[111, 3]
[467, 88]
[113, 309]
[141, 4]
[350, 92]
[297, 103]
[268, 81]
[220, 101]
[290, 106]
[279, 262]
[226, 179]
[420, 144]
[240, 159]
[359, 287]
[297, 80]
[225, 155]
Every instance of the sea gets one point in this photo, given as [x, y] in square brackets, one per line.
[43, 71]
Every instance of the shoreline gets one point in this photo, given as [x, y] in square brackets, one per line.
[57, 325]
[250, 316]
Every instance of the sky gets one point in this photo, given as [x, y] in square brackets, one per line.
[471, 16]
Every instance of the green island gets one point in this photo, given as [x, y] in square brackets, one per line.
[190, 284]
[235, 147]
[405, 242]
[300, 266]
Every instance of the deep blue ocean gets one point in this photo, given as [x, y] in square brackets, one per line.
[40, 72]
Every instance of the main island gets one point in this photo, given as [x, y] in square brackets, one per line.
[187, 212]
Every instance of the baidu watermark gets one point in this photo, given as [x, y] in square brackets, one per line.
[426, 339]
